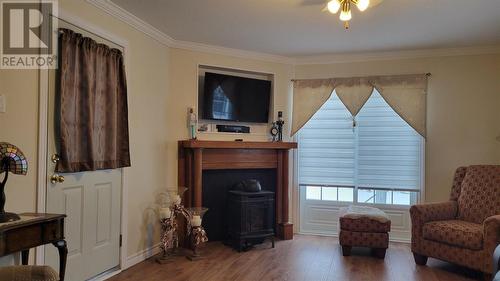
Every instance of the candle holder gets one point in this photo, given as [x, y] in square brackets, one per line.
[198, 234]
[167, 243]
[169, 211]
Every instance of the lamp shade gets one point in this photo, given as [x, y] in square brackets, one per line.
[12, 160]
[17, 163]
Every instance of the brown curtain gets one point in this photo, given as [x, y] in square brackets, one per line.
[92, 105]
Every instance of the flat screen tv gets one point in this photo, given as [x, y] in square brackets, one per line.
[233, 98]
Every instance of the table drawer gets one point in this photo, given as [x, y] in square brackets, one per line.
[23, 238]
[52, 231]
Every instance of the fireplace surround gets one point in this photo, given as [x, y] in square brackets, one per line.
[196, 156]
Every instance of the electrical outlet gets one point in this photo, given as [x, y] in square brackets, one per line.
[3, 105]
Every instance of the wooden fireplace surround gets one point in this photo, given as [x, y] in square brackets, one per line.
[196, 156]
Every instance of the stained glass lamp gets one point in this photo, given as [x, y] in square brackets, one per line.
[12, 160]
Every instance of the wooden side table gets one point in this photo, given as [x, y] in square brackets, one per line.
[33, 230]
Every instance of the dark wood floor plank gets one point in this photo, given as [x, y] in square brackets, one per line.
[306, 258]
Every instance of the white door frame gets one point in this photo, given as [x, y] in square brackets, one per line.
[43, 135]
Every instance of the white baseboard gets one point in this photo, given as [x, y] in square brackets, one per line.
[106, 275]
[131, 261]
[141, 256]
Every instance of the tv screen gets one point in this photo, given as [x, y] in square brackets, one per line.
[233, 98]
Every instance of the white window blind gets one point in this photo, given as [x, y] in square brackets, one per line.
[381, 152]
[389, 150]
[326, 153]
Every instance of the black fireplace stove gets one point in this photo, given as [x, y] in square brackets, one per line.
[250, 218]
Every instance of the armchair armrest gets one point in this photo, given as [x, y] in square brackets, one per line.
[491, 229]
[423, 213]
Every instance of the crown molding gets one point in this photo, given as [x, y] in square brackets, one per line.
[396, 55]
[212, 49]
[118, 12]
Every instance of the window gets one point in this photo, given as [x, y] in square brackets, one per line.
[373, 159]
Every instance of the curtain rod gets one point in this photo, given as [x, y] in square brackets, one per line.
[86, 30]
[428, 74]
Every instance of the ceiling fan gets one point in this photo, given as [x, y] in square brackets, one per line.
[344, 6]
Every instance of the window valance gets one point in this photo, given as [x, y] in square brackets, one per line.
[406, 94]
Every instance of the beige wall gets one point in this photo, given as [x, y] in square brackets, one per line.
[463, 109]
[19, 125]
[147, 75]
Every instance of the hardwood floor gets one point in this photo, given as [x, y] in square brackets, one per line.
[306, 258]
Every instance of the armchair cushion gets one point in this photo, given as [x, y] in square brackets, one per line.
[456, 233]
[480, 193]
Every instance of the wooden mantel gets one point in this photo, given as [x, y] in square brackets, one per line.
[196, 156]
[237, 144]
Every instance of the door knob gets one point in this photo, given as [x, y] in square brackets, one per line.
[56, 179]
[55, 158]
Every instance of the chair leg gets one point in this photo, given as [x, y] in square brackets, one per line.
[346, 250]
[379, 252]
[420, 259]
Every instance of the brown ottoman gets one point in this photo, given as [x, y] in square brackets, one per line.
[362, 226]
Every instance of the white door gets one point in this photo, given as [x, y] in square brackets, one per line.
[91, 201]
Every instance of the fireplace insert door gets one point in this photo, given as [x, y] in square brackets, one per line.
[250, 218]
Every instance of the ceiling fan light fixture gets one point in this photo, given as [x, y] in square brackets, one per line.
[346, 15]
[333, 6]
[363, 5]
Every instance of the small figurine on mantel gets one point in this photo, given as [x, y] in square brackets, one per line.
[277, 128]
[192, 123]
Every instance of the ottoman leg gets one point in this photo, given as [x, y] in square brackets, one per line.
[346, 250]
[420, 259]
[379, 252]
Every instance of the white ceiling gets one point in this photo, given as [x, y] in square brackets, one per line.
[300, 28]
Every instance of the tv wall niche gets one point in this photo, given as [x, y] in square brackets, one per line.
[258, 131]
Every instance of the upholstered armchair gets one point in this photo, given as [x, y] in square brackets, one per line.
[28, 273]
[466, 229]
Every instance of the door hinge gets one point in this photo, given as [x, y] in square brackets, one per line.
[120, 241]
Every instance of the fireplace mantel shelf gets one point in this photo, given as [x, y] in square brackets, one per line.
[195, 156]
[238, 144]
